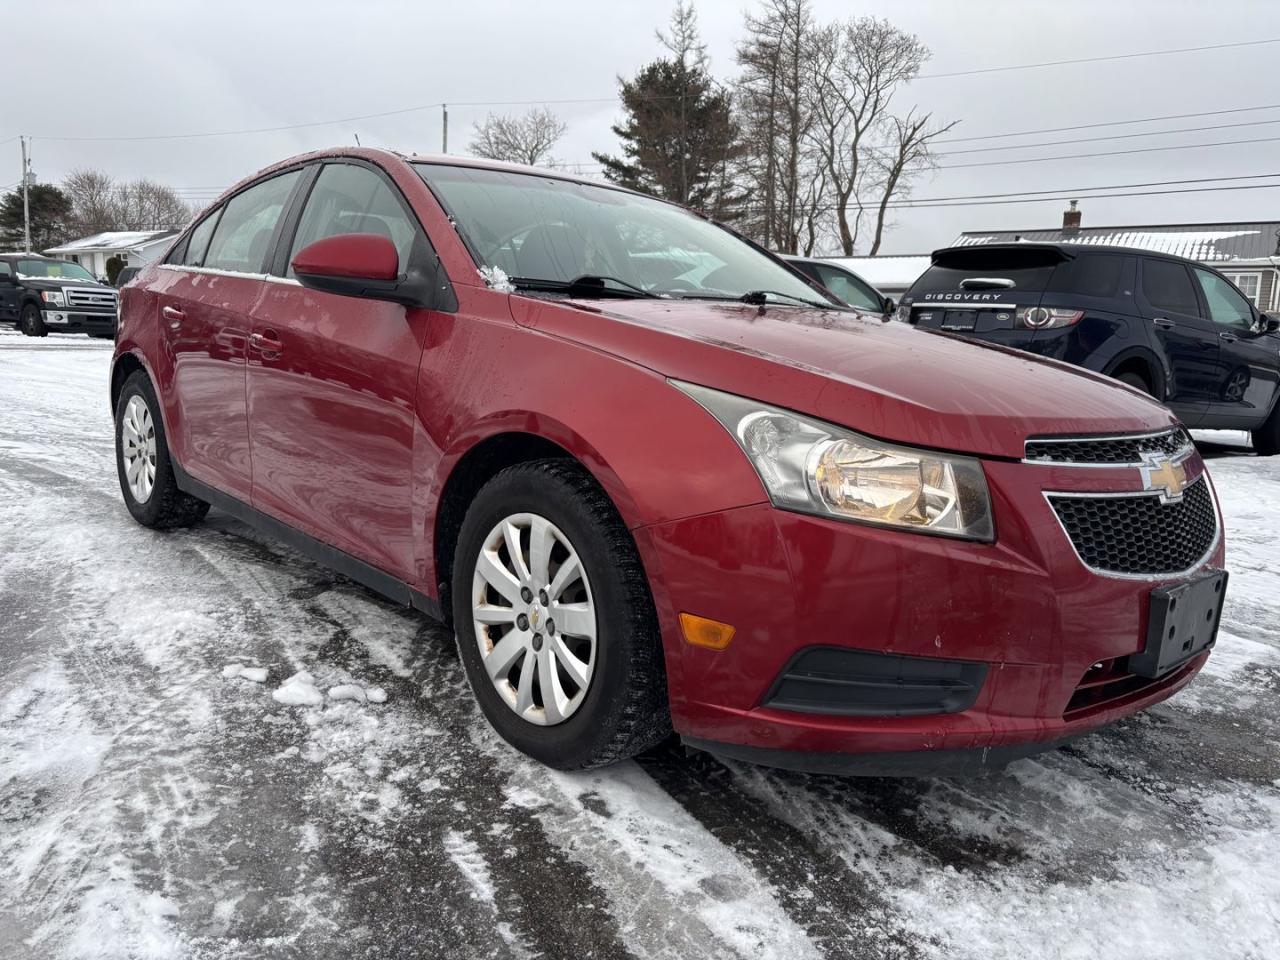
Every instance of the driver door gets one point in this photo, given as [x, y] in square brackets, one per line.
[1248, 373]
[332, 381]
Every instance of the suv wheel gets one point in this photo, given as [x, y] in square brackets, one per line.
[1266, 439]
[31, 322]
[1137, 381]
[555, 624]
[142, 460]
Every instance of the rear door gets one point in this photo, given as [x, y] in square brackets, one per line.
[205, 300]
[979, 291]
[1167, 298]
[1248, 360]
[8, 293]
[333, 381]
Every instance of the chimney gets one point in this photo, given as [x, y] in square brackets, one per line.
[1071, 219]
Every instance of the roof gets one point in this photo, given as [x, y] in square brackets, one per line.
[114, 240]
[1206, 242]
[897, 271]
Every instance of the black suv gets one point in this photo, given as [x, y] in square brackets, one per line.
[1165, 325]
[39, 294]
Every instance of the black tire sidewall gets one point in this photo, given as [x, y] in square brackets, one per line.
[1136, 381]
[574, 742]
[30, 322]
[148, 514]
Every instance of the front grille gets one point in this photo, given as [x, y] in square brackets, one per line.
[90, 298]
[1140, 534]
[1107, 450]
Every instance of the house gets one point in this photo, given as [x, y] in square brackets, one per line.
[1247, 253]
[135, 247]
[892, 276]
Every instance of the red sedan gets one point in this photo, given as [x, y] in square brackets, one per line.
[658, 480]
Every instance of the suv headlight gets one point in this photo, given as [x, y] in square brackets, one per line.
[819, 468]
[53, 298]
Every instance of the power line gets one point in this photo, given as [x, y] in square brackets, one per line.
[1116, 56]
[1108, 123]
[1108, 153]
[1070, 191]
[1113, 136]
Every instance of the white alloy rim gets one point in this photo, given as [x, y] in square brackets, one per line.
[138, 448]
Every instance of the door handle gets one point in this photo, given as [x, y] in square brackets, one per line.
[1163, 323]
[1228, 337]
[266, 342]
[173, 315]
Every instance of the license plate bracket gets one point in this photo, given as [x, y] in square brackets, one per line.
[1182, 623]
[959, 319]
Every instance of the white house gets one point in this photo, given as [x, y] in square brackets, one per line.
[135, 247]
[891, 275]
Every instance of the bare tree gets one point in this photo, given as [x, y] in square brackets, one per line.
[99, 203]
[908, 154]
[528, 139]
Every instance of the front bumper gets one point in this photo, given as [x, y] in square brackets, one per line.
[72, 320]
[1025, 606]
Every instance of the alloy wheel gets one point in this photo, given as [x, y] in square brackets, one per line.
[535, 618]
[138, 448]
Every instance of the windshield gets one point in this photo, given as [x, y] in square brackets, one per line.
[54, 270]
[544, 229]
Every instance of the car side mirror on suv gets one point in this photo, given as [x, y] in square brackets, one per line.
[358, 265]
[1267, 323]
[889, 306]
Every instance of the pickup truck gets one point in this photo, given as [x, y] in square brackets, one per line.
[39, 294]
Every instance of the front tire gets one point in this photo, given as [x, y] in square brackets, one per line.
[1137, 381]
[541, 542]
[31, 322]
[142, 461]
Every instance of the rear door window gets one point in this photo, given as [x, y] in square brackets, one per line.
[349, 198]
[242, 238]
[1167, 286]
[1227, 306]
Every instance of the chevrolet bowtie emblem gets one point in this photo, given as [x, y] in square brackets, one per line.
[1165, 476]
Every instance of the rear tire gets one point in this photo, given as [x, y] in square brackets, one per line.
[622, 708]
[142, 461]
[1266, 439]
[1137, 381]
[31, 322]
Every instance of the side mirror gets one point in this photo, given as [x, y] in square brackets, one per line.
[354, 265]
[889, 305]
[1268, 324]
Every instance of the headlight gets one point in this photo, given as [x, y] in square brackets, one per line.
[53, 297]
[815, 467]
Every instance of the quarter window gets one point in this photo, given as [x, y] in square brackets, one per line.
[1167, 286]
[243, 235]
[348, 198]
[199, 241]
[1226, 306]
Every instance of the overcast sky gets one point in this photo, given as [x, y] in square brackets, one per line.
[141, 69]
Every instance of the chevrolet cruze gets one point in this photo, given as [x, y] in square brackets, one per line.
[656, 480]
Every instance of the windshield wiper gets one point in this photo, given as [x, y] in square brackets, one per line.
[761, 297]
[588, 283]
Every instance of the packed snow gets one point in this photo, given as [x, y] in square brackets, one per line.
[211, 747]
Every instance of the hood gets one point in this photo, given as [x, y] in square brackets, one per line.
[57, 283]
[885, 379]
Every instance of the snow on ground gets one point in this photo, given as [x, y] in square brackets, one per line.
[213, 748]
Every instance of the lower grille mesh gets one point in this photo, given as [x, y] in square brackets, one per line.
[1140, 534]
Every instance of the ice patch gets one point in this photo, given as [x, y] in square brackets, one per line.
[233, 670]
[347, 691]
[299, 691]
[376, 694]
[497, 279]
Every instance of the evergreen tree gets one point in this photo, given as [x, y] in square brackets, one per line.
[49, 210]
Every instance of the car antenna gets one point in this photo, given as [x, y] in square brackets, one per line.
[357, 136]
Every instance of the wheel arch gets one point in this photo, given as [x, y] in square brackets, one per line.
[1143, 362]
[478, 457]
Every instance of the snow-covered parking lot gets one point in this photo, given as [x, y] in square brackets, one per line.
[155, 804]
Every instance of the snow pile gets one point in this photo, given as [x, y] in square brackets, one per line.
[497, 279]
[233, 670]
[299, 691]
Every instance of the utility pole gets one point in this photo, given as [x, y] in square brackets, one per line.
[444, 128]
[26, 202]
